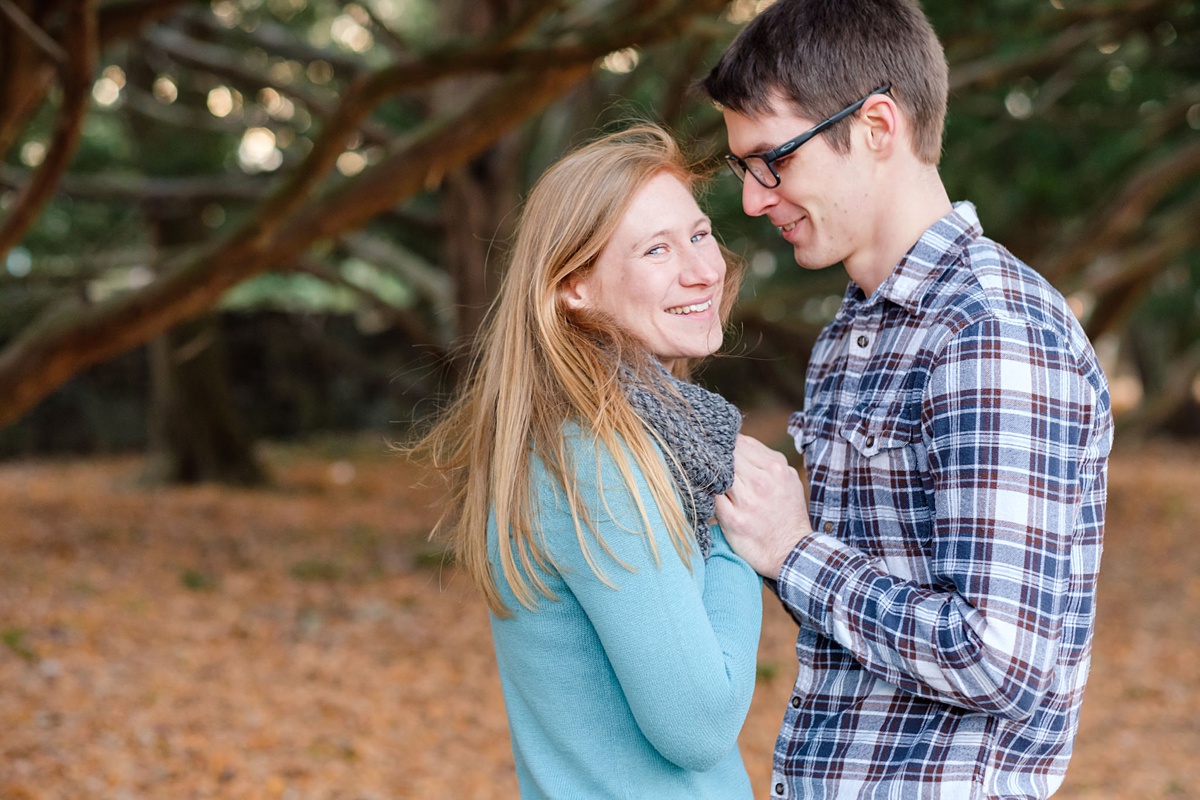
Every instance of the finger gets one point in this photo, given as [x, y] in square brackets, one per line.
[731, 494]
[755, 452]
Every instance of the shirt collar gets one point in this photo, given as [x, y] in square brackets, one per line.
[914, 277]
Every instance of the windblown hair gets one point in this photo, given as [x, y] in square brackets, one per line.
[819, 56]
[538, 367]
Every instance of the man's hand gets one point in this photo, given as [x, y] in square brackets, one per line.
[765, 512]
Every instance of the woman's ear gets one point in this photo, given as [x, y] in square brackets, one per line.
[572, 290]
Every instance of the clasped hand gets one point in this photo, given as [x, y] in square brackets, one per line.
[764, 514]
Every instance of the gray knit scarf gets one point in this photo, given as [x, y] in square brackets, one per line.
[700, 432]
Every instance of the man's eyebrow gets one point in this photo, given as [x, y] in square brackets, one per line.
[758, 149]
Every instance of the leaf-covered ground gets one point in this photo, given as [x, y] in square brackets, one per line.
[307, 642]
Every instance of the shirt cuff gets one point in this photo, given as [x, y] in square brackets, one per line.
[814, 576]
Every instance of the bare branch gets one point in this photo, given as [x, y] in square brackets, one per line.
[277, 40]
[204, 189]
[222, 62]
[428, 282]
[1125, 215]
[76, 335]
[36, 35]
[393, 40]
[1128, 274]
[120, 21]
[1093, 23]
[412, 325]
[77, 81]
[364, 93]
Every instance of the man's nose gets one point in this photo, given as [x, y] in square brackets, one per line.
[756, 198]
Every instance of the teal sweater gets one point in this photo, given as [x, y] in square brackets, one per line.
[634, 692]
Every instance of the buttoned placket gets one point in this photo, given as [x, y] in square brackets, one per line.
[861, 334]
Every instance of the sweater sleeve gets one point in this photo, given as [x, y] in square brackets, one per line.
[682, 642]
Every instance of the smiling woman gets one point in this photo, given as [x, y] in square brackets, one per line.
[583, 468]
[661, 276]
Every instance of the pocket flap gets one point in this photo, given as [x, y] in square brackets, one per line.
[871, 434]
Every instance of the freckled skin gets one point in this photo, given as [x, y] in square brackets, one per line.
[662, 256]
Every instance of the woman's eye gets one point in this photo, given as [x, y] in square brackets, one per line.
[658, 249]
[700, 236]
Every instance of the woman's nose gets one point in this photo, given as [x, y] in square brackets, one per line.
[704, 268]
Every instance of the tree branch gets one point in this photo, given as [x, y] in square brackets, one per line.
[1130, 273]
[277, 40]
[120, 187]
[1075, 29]
[76, 83]
[1125, 215]
[75, 335]
[120, 21]
[222, 62]
[412, 325]
[36, 35]
[429, 283]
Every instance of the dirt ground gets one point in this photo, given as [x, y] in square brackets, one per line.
[307, 642]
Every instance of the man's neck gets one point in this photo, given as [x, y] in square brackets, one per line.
[910, 200]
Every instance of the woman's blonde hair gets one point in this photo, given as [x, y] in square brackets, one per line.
[538, 366]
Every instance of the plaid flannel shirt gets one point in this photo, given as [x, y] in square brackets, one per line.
[956, 433]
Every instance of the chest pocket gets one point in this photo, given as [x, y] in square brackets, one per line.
[888, 484]
[882, 428]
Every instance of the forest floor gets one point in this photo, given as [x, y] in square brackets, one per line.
[306, 641]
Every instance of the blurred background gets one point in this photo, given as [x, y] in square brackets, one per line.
[244, 242]
[254, 219]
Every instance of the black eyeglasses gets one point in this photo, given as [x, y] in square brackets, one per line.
[762, 165]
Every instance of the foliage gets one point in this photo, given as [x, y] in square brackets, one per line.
[320, 143]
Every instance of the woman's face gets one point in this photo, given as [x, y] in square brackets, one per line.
[660, 277]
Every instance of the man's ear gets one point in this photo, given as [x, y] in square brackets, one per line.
[572, 290]
[883, 122]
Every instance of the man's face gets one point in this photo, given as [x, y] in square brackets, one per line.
[822, 204]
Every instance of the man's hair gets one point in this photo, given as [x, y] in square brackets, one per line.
[821, 55]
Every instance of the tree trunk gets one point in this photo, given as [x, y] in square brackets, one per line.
[478, 198]
[195, 432]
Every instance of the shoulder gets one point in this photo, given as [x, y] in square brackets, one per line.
[606, 479]
[990, 293]
[592, 459]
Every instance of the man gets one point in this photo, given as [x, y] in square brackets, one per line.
[956, 431]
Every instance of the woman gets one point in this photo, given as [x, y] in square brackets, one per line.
[584, 472]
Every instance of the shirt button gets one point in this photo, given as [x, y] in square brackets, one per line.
[870, 441]
[862, 341]
[795, 702]
[827, 527]
[779, 788]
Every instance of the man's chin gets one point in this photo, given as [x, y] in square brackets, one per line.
[810, 261]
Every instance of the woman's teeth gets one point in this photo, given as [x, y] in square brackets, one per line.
[690, 309]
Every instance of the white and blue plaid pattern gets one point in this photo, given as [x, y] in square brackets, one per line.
[956, 433]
